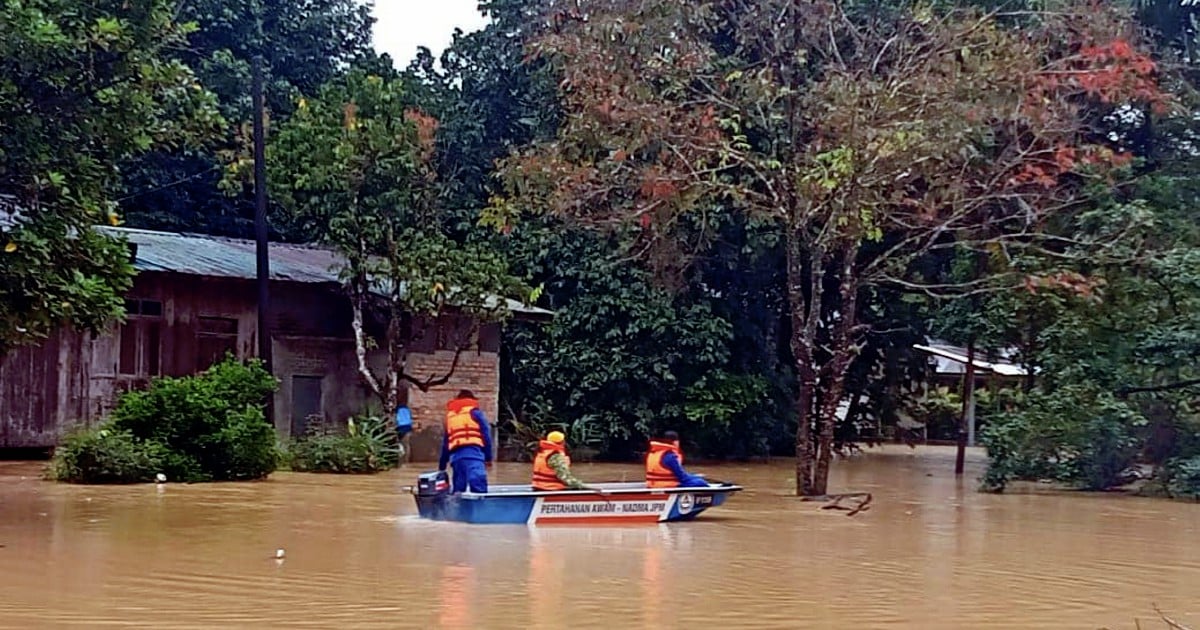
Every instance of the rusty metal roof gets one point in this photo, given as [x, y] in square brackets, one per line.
[222, 257]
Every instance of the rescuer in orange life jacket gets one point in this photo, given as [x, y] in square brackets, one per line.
[552, 465]
[466, 443]
[664, 465]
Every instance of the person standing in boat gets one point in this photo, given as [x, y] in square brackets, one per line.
[664, 465]
[466, 443]
[552, 465]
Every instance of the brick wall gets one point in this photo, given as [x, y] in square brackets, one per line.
[476, 371]
[342, 393]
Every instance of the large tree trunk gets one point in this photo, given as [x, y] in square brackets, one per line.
[804, 445]
[832, 375]
[830, 396]
[804, 301]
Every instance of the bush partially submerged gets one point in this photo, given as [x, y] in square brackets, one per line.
[208, 427]
[1181, 477]
[107, 456]
[1076, 435]
[369, 445]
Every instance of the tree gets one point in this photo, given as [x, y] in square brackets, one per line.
[668, 359]
[303, 44]
[872, 140]
[355, 168]
[82, 87]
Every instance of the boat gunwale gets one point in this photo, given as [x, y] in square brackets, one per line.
[475, 496]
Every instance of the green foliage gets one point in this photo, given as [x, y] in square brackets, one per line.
[105, 455]
[619, 356]
[368, 445]
[1137, 342]
[614, 366]
[729, 414]
[303, 44]
[83, 86]
[356, 168]
[940, 410]
[1182, 477]
[1077, 434]
[212, 424]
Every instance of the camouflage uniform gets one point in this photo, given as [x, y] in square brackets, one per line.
[559, 464]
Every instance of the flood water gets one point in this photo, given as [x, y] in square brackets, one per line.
[930, 553]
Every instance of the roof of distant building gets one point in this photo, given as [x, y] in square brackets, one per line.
[223, 257]
[952, 359]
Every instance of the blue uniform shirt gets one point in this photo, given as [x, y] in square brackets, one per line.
[468, 452]
[671, 462]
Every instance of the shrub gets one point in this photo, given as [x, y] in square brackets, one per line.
[1078, 435]
[369, 445]
[106, 455]
[208, 427]
[1182, 477]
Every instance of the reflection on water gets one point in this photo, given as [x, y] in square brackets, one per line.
[930, 553]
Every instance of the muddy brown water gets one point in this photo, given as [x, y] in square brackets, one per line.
[930, 553]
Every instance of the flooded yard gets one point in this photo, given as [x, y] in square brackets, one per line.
[931, 552]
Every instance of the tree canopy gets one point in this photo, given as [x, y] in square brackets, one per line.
[872, 142]
[83, 87]
[355, 168]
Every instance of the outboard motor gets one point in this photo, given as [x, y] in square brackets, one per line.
[433, 484]
[433, 488]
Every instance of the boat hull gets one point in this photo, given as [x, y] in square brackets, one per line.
[615, 504]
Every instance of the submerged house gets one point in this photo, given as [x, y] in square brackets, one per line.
[948, 364]
[194, 299]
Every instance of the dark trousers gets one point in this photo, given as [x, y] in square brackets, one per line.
[469, 473]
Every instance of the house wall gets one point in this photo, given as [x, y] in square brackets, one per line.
[330, 359]
[476, 371]
[42, 390]
[76, 377]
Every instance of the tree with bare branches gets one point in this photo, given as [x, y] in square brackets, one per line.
[875, 141]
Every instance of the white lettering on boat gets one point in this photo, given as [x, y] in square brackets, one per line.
[609, 507]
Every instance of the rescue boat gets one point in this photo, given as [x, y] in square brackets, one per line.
[608, 503]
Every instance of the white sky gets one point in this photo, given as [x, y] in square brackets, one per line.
[405, 24]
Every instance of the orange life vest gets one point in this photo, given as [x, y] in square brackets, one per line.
[657, 475]
[544, 477]
[461, 428]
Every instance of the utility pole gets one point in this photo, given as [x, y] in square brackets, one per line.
[263, 262]
[968, 410]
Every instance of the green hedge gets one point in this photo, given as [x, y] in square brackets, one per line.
[208, 427]
[369, 445]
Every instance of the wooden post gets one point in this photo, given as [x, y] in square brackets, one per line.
[967, 409]
[263, 263]
[262, 260]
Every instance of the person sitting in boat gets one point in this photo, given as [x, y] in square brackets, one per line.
[552, 465]
[466, 443]
[664, 465]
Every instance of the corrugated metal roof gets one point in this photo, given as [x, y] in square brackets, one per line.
[222, 257]
[219, 257]
[953, 360]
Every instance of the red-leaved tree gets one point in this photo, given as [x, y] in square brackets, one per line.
[872, 141]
